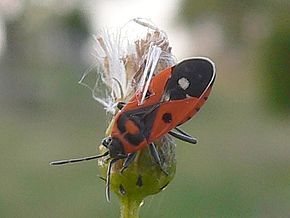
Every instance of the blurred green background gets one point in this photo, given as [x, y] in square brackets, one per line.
[241, 166]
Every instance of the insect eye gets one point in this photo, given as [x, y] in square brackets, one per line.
[107, 141]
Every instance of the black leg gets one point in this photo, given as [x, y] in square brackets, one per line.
[156, 157]
[183, 136]
[128, 161]
[108, 196]
[120, 105]
[120, 87]
[182, 131]
[102, 178]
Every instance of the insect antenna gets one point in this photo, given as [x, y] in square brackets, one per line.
[60, 162]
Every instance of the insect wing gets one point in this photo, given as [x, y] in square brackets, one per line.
[173, 97]
[184, 93]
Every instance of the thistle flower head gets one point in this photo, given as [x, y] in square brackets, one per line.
[127, 59]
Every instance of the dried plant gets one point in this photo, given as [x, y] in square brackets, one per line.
[125, 65]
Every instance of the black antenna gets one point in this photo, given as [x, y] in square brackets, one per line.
[60, 162]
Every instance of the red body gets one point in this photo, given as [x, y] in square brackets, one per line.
[174, 96]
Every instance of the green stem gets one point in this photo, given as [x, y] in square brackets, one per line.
[130, 208]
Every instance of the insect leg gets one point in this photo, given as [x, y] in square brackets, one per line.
[108, 196]
[120, 87]
[182, 131]
[102, 178]
[154, 153]
[120, 105]
[183, 136]
[128, 161]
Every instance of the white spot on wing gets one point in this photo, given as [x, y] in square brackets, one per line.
[183, 83]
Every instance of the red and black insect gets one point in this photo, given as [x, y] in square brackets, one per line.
[172, 98]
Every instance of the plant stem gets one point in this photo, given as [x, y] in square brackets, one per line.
[130, 208]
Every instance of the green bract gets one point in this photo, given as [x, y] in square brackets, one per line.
[142, 178]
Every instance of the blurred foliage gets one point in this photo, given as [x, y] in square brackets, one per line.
[272, 49]
[276, 68]
[231, 14]
[76, 21]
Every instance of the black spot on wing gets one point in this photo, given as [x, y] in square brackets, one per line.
[167, 117]
[197, 71]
